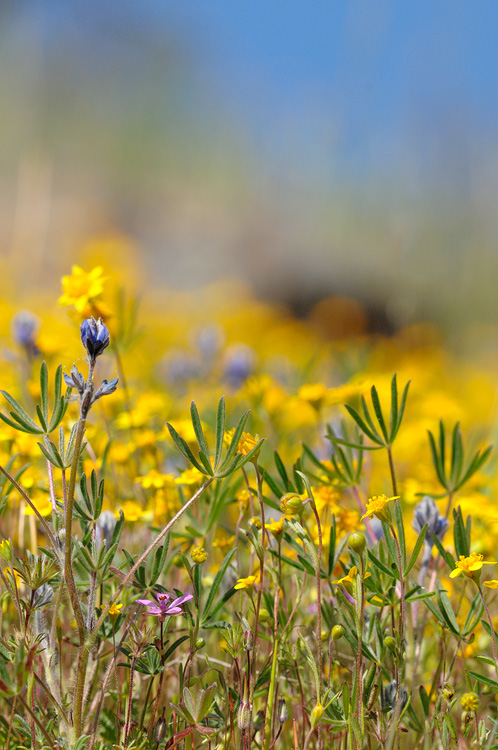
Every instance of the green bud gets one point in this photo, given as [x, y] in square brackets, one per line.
[283, 713]
[390, 643]
[324, 635]
[177, 561]
[264, 615]
[244, 716]
[200, 643]
[357, 542]
[337, 632]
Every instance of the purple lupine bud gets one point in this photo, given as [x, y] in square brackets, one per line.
[105, 389]
[94, 337]
[75, 380]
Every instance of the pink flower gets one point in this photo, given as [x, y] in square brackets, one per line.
[162, 609]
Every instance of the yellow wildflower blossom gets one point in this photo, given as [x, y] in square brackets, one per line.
[246, 584]
[348, 581]
[247, 442]
[469, 565]
[378, 506]
[276, 527]
[199, 555]
[81, 287]
[154, 479]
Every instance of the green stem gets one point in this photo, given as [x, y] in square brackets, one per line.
[391, 469]
[273, 674]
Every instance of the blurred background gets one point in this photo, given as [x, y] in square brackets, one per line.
[309, 149]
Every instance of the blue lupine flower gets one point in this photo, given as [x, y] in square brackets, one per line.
[94, 337]
[24, 328]
[426, 512]
[239, 364]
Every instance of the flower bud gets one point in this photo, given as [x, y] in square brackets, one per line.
[244, 716]
[94, 337]
[469, 702]
[291, 503]
[337, 632]
[324, 635]
[264, 615]
[316, 715]
[200, 643]
[257, 522]
[390, 643]
[282, 711]
[357, 542]
[199, 555]
[160, 730]
[248, 640]
[448, 692]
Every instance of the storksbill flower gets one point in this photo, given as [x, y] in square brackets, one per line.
[162, 609]
[94, 337]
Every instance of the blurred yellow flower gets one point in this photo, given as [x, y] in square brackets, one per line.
[81, 287]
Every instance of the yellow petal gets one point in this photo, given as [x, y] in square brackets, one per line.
[456, 572]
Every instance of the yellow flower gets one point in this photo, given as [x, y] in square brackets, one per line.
[81, 287]
[246, 583]
[6, 552]
[190, 476]
[378, 506]
[470, 565]
[491, 584]
[115, 610]
[276, 527]
[223, 542]
[155, 479]
[349, 580]
[313, 393]
[247, 442]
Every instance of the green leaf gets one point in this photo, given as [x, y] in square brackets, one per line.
[184, 449]
[375, 438]
[235, 439]
[437, 461]
[44, 390]
[393, 420]
[484, 679]
[401, 409]
[196, 423]
[378, 412]
[380, 565]
[218, 579]
[416, 550]
[20, 412]
[447, 610]
[220, 431]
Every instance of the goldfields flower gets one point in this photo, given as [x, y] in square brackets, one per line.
[81, 287]
[199, 555]
[469, 702]
[491, 584]
[378, 506]
[469, 566]
[276, 527]
[246, 583]
[162, 609]
[348, 581]
[115, 610]
[247, 442]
